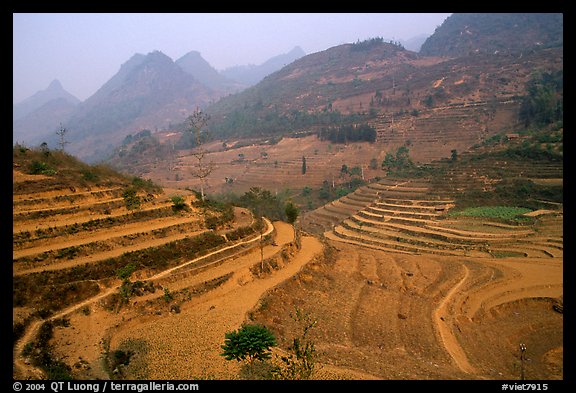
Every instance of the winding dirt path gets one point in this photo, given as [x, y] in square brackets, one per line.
[26, 371]
[442, 320]
[526, 278]
[187, 345]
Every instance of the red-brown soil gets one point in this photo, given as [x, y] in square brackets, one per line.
[400, 316]
[399, 290]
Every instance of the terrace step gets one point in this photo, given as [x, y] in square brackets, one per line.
[83, 219]
[402, 213]
[342, 232]
[162, 227]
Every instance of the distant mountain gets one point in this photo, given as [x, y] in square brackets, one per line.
[251, 74]
[148, 92]
[414, 43]
[52, 92]
[383, 83]
[195, 65]
[41, 124]
[464, 34]
[395, 90]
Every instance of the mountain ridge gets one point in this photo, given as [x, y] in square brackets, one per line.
[194, 64]
[465, 33]
[376, 79]
[187, 83]
[41, 97]
[147, 92]
[251, 74]
[373, 79]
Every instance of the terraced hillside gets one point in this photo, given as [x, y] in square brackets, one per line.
[271, 166]
[433, 132]
[401, 286]
[389, 315]
[405, 216]
[72, 234]
[412, 288]
[75, 227]
[91, 226]
[81, 234]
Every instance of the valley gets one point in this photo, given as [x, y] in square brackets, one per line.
[409, 204]
[400, 287]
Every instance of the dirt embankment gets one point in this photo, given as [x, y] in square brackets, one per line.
[404, 316]
[22, 369]
[185, 345]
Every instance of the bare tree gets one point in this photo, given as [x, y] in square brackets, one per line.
[196, 122]
[62, 134]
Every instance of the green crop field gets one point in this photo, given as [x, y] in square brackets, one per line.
[501, 212]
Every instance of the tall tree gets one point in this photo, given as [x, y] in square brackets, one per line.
[291, 212]
[196, 122]
[303, 165]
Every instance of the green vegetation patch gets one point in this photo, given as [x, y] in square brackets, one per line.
[500, 212]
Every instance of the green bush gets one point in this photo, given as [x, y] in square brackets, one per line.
[126, 271]
[291, 212]
[250, 342]
[40, 168]
[178, 202]
[89, 175]
[131, 200]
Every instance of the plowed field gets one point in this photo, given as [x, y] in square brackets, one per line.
[399, 289]
[401, 316]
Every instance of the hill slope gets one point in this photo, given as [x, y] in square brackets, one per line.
[52, 92]
[148, 92]
[386, 86]
[463, 34]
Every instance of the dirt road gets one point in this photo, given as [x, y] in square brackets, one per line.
[187, 345]
[24, 371]
[444, 323]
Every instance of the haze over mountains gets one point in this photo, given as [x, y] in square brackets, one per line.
[154, 92]
[52, 92]
[42, 113]
[251, 74]
[148, 92]
[391, 87]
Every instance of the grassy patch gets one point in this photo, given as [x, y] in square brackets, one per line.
[499, 212]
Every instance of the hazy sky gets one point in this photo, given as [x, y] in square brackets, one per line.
[83, 51]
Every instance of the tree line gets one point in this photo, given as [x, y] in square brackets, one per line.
[253, 122]
[348, 133]
[544, 103]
